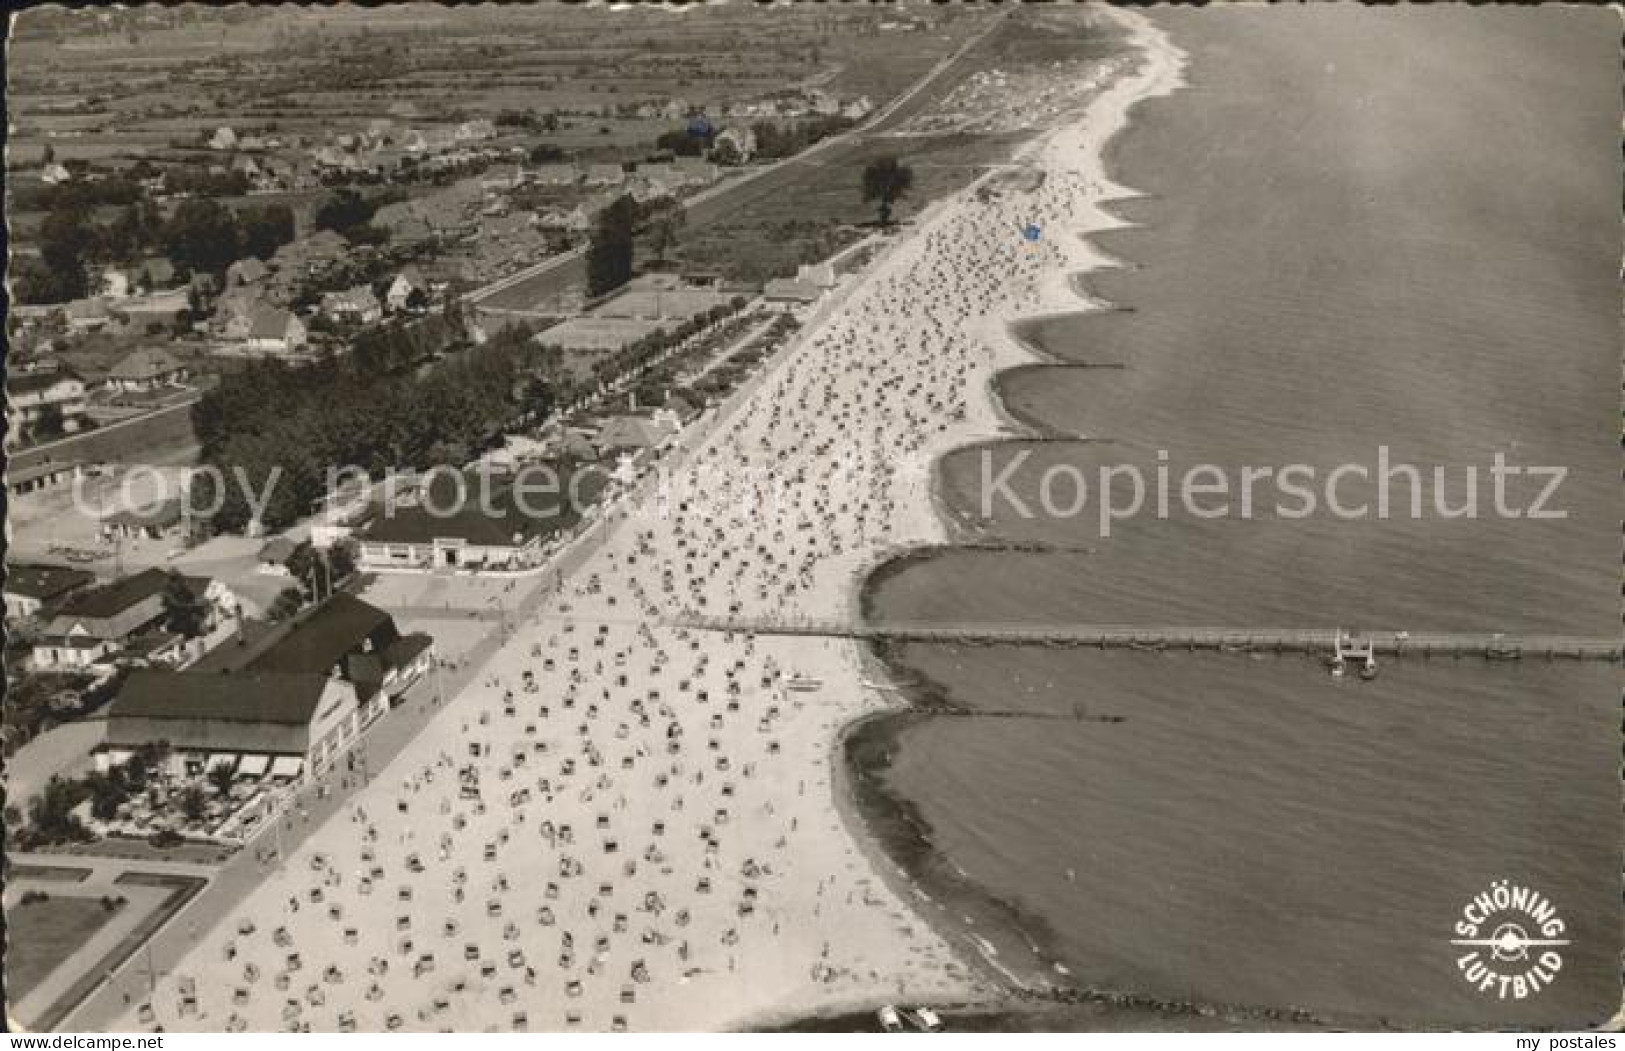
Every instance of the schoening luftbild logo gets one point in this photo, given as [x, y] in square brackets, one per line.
[1511, 935]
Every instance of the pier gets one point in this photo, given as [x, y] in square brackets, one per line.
[1359, 647]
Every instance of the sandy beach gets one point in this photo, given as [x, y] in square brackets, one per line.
[628, 824]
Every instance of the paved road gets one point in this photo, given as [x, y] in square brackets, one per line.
[168, 429]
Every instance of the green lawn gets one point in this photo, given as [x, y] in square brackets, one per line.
[42, 934]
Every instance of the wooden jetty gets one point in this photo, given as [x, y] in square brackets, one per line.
[1357, 647]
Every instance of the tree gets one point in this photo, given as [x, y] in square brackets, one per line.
[221, 778]
[341, 561]
[609, 256]
[65, 241]
[202, 237]
[129, 232]
[193, 802]
[265, 229]
[344, 210]
[286, 604]
[664, 227]
[108, 792]
[886, 181]
[185, 613]
[51, 812]
[303, 566]
[49, 423]
[537, 398]
[681, 142]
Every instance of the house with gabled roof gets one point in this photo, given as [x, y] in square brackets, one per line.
[355, 305]
[269, 330]
[278, 700]
[36, 590]
[145, 369]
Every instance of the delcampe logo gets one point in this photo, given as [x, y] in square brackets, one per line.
[1511, 935]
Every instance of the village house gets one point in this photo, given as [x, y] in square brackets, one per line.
[791, 292]
[407, 289]
[38, 394]
[94, 623]
[158, 308]
[352, 306]
[87, 315]
[310, 256]
[262, 705]
[576, 220]
[739, 139]
[116, 284]
[276, 701]
[54, 174]
[274, 557]
[147, 369]
[441, 528]
[268, 330]
[633, 434]
[41, 476]
[605, 175]
[223, 139]
[36, 590]
[475, 130]
[157, 520]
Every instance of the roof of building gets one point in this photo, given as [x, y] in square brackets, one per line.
[109, 600]
[501, 522]
[278, 549]
[160, 516]
[45, 582]
[34, 472]
[145, 364]
[287, 698]
[87, 309]
[268, 322]
[38, 380]
[632, 432]
[785, 288]
[359, 298]
[683, 406]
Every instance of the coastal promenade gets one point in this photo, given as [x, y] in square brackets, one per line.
[1490, 645]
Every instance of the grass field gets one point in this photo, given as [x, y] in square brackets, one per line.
[769, 233]
[42, 934]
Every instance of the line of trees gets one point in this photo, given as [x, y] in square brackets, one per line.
[775, 140]
[279, 429]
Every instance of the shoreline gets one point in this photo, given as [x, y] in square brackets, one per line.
[1011, 941]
